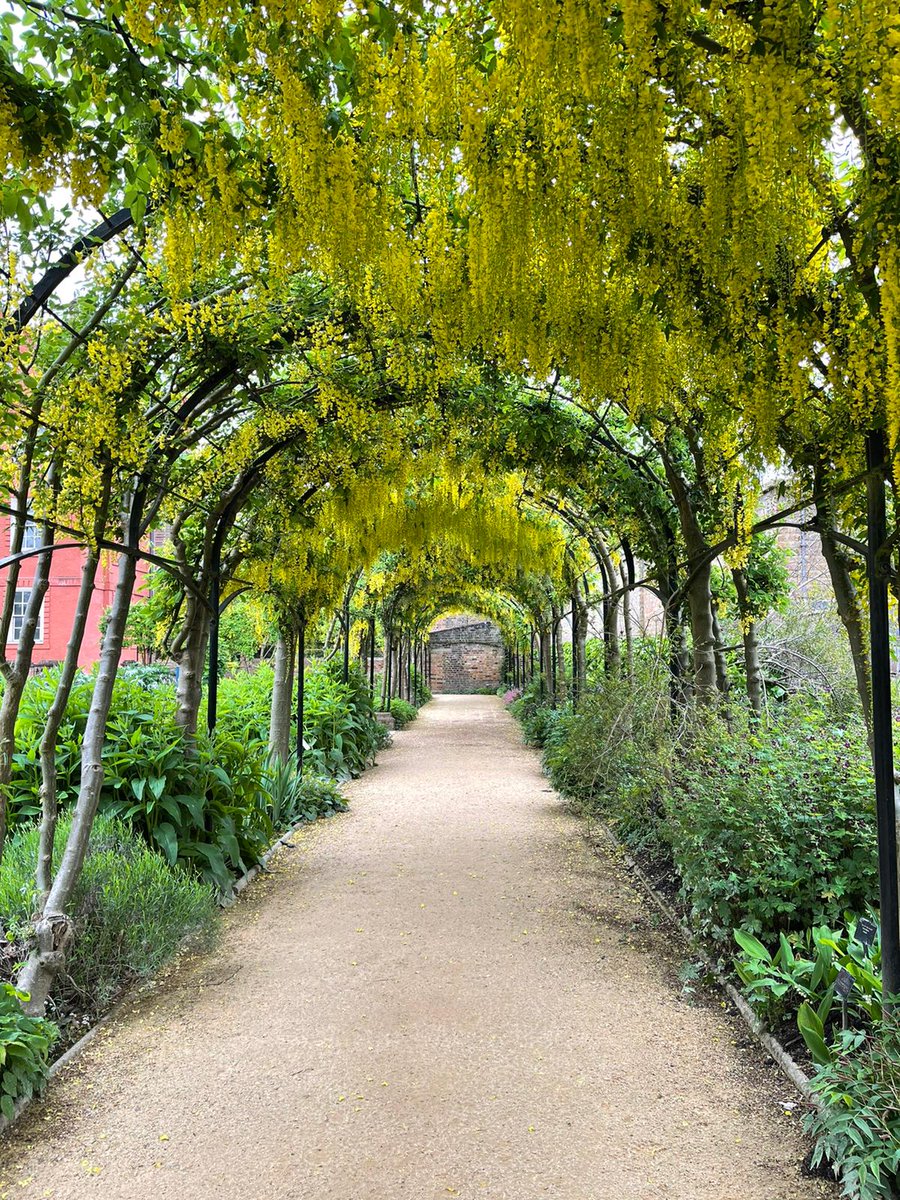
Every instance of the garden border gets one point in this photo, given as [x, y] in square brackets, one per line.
[129, 996]
[782, 1059]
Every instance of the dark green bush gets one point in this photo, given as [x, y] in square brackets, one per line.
[858, 1128]
[25, 1044]
[773, 830]
[403, 712]
[131, 910]
[339, 726]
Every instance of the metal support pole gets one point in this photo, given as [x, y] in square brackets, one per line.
[212, 691]
[345, 675]
[301, 682]
[576, 619]
[531, 667]
[372, 655]
[882, 717]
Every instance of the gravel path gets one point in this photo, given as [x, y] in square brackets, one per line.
[441, 993]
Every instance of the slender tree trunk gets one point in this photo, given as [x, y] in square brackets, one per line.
[559, 649]
[191, 659]
[755, 686]
[703, 634]
[849, 608]
[613, 651]
[55, 716]
[386, 671]
[579, 644]
[53, 929]
[723, 683]
[282, 697]
[15, 676]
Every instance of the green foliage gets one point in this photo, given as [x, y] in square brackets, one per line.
[25, 1044]
[403, 712]
[340, 733]
[206, 808]
[131, 910]
[772, 829]
[294, 798]
[801, 974]
[858, 1127]
[769, 828]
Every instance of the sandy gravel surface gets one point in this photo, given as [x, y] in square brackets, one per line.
[441, 993]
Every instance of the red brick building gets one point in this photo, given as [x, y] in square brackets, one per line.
[58, 610]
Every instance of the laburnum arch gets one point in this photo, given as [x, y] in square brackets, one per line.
[639, 256]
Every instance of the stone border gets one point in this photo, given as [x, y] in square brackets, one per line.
[782, 1059]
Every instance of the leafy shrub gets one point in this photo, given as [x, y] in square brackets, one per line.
[403, 712]
[207, 809]
[858, 1128]
[340, 732]
[131, 910]
[802, 972]
[25, 1044]
[769, 828]
[772, 830]
[295, 798]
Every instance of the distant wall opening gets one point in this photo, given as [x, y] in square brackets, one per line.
[466, 655]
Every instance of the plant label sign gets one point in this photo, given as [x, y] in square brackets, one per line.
[865, 932]
[843, 985]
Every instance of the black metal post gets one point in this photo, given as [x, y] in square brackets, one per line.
[301, 681]
[212, 691]
[575, 632]
[531, 668]
[346, 668]
[882, 716]
[372, 655]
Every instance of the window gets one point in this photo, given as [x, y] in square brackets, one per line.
[31, 534]
[20, 607]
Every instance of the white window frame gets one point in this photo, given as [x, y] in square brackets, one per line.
[20, 608]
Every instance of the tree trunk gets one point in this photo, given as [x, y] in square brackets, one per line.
[849, 608]
[723, 683]
[559, 649]
[579, 645]
[15, 676]
[55, 716]
[386, 671]
[626, 615]
[53, 928]
[703, 634]
[191, 659]
[613, 650]
[755, 686]
[282, 698]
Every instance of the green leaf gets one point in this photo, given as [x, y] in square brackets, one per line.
[752, 946]
[167, 838]
[813, 1033]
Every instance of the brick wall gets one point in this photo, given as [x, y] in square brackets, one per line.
[466, 655]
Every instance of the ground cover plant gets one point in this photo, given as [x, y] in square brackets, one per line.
[133, 909]
[403, 712]
[25, 1044]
